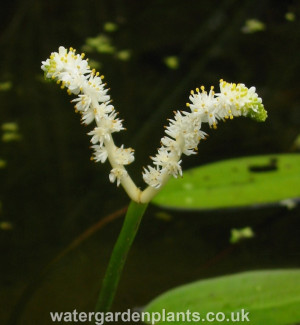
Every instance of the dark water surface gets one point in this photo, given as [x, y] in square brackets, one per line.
[51, 192]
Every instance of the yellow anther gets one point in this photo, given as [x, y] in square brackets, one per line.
[197, 89]
[214, 125]
[210, 115]
[229, 111]
[69, 92]
[212, 87]
[102, 77]
[58, 82]
[231, 117]
[202, 88]
[226, 116]
[187, 104]
[221, 80]
[82, 55]
[80, 89]
[97, 73]
[192, 92]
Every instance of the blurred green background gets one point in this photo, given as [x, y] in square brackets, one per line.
[152, 54]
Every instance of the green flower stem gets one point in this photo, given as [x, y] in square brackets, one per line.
[116, 264]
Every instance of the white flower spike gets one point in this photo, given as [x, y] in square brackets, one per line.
[183, 133]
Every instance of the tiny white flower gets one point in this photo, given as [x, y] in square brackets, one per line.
[153, 176]
[162, 157]
[100, 153]
[87, 117]
[205, 105]
[123, 156]
[116, 174]
[83, 103]
[172, 145]
[173, 168]
[102, 110]
[99, 134]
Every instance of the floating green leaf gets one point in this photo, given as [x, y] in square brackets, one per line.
[4, 86]
[270, 297]
[172, 62]
[110, 27]
[242, 182]
[290, 16]
[10, 136]
[239, 234]
[2, 163]
[253, 26]
[5, 225]
[101, 44]
[123, 55]
[10, 127]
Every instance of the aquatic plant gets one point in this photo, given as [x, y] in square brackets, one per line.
[182, 136]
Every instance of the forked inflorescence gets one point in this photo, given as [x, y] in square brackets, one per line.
[183, 133]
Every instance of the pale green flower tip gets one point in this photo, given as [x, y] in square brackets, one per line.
[257, 112]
